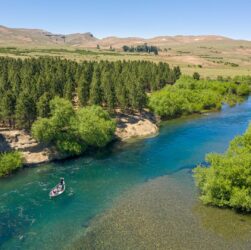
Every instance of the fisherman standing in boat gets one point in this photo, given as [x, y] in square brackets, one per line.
[62, 183]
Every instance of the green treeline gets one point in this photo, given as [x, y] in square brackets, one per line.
[227, 182]
[72, 132]
[27, 86]
[141, 48]
[189, 95]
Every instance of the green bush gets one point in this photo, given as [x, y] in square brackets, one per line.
[188, 96]
[243, 89]
[196, 76]
[10, 162]
[94, 126]
[72, 132]
[227, 182]
[167, 103]
[172, 101]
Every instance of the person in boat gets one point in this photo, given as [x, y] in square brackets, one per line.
[62, 183]
[60, 186]
[58, 189]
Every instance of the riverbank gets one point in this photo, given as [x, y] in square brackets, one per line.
[33, 152]
[136, 125]
[129, 126]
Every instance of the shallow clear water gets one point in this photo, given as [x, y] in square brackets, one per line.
[165, 213]
[30, 220]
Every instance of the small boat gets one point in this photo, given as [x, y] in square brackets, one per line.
[59, 189]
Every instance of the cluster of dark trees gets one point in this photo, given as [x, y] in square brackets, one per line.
[141, 48]
[27, 86]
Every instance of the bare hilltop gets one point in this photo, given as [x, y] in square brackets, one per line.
[39, 37]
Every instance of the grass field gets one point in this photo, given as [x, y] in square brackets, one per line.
[210, 60]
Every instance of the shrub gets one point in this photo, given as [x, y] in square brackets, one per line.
[243, 89]
[196, 76]
[72, 132]
[188, 96]
[227, 182]
[10, 162]
[94, 126]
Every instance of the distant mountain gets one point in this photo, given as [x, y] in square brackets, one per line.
[10, 36]
[37, 37]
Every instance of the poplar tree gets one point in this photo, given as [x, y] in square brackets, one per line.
[25, 110]
[95, 89]
[84, 88]
[43, 105]
[108, 90]
[8, 108]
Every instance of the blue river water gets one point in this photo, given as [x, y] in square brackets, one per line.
[30, 220]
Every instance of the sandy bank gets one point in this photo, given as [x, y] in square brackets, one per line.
[33, 152]
[135, 125]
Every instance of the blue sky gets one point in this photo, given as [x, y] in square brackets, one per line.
[144, 18]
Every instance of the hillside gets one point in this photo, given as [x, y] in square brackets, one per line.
[38, 37]
[210, 55]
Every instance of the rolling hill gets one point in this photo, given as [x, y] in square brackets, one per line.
[38, 37]
[208, 54]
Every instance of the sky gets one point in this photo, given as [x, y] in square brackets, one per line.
[124, 18]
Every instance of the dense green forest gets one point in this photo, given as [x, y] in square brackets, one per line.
[27, 86]
[68, 104]
[189, 95]
[227, 182]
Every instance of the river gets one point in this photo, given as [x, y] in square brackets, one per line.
[97, 187]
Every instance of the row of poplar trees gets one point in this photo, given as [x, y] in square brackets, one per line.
[27, 86]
